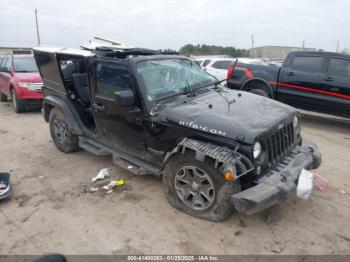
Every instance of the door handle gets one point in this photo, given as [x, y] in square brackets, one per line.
[291, 74]
[99, 107]
[328, 79]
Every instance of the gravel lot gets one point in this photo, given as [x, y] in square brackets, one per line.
[50, 212]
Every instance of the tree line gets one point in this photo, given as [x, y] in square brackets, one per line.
[190, 49]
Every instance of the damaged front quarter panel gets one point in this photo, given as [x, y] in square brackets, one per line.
[224, 157]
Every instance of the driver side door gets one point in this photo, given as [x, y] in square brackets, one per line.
[117, 126]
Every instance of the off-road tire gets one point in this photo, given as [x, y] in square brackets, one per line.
[3, 97]
[61, 133]
[259, 92]
[222, 206]
[17, 104]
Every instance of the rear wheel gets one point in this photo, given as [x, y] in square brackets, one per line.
[259, 92]
[17, 104]
[3, 97]
[197, 188]
[61, 133]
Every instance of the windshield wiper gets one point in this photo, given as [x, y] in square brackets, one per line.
[188, 89]
[219, 82]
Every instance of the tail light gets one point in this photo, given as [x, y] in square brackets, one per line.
[230, 70]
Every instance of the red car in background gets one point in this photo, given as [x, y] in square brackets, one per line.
[20, 80]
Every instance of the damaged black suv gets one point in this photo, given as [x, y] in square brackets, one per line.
[215, 149]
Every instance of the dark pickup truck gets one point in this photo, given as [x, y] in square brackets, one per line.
[317, 81]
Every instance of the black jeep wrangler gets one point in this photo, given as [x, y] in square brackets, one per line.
[215, 149]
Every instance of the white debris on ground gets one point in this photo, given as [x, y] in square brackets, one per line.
[101, 175]
[305, 184]
[109, 187]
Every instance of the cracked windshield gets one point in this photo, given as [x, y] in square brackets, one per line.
[167, 77]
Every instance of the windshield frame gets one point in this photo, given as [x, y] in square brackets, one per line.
[143, 88]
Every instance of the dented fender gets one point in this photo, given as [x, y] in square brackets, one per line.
[222, 156]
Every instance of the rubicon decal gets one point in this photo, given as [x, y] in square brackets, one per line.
[202, 128]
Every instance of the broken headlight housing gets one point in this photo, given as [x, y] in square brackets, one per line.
[257, 149]
[296, 122]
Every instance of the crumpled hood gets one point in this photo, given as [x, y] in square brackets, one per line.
[233, 114]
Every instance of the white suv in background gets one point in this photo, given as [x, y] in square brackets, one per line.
[216, 66]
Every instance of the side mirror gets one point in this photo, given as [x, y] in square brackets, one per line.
[124, 98]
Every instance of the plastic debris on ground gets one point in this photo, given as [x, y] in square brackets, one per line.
[92, 189]
[5, 187]
[101, 186]
[112, 184]
[101, 175]
[305, 184]
[320, 183]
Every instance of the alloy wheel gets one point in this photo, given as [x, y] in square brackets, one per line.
[60, 130]
[194, 187]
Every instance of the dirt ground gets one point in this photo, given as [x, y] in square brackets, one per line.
[50, 212]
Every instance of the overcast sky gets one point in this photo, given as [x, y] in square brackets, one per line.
[174, 23]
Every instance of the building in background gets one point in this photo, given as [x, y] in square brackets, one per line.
[14, 50]
[275, 52]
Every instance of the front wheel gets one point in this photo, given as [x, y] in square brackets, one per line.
[17, 104]
[198, 188]
[61, 133]
[3, 97]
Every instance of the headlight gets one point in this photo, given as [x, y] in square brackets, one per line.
[296, 122]
[30, 86]
[257, 150]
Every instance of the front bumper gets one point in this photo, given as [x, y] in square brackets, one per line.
[26, 94]
[277, 184]
[33, 103]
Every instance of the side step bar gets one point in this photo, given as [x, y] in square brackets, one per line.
[92, 148]
[129, 162]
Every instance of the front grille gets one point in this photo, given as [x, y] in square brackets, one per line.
[280, 143]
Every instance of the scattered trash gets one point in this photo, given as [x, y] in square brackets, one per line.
[320, 183]
[101, 175]
[304, 187]
[112, 184]
[342, 191]
[102, 185]
[5, 187]
[92, 189]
